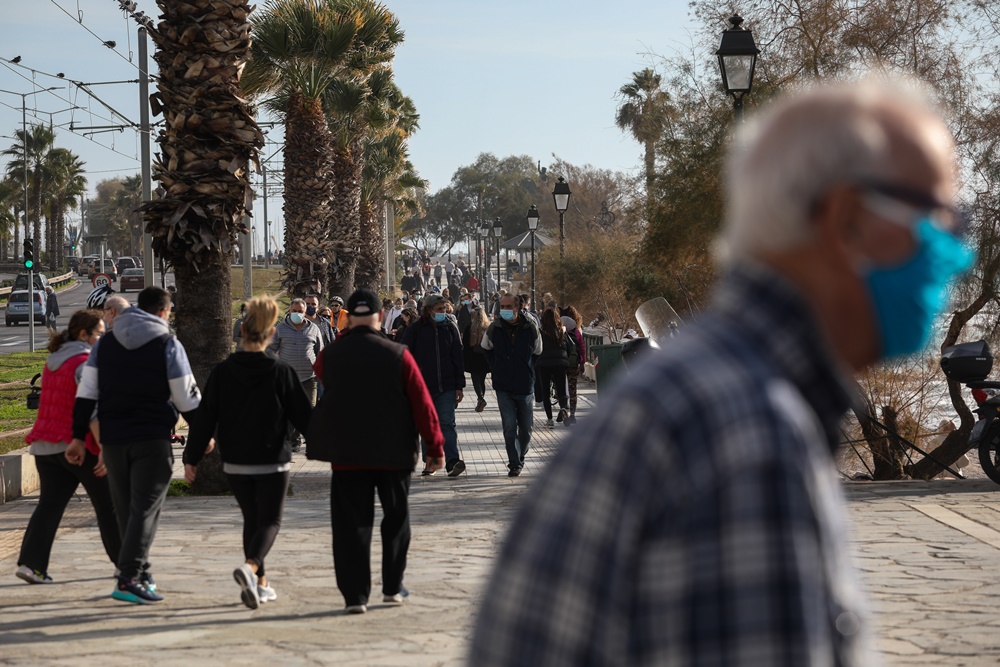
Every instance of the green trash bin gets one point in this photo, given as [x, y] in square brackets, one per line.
[609, 363]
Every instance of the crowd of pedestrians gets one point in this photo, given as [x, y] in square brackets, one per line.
[327, 376]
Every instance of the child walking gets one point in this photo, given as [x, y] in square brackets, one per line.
[247, 404]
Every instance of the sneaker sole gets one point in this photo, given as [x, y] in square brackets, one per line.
[357, 609]
[394, 600]
[248, 589]
[31, 578]
[125, 596]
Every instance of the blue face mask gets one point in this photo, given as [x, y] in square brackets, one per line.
[908, 298]
[440, 317]
[297, 318]
[507, 315]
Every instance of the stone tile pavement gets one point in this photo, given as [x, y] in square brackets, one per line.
[929, 555]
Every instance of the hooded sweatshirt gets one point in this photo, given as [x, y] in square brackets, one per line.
[139, 377]
[249, 400]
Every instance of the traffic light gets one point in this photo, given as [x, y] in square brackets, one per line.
[29, 254]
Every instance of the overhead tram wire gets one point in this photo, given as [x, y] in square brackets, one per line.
[104, 42]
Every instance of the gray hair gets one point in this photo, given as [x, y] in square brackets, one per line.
[806, 145]
[295, 301]
[116, 303]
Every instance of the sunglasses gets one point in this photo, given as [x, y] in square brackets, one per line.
[907, 206]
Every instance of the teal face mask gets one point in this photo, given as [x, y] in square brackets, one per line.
[908, 298]
[297, 318]
[440, 317]
[507, 315]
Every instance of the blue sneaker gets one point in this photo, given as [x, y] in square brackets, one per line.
[130, 590]
[146, 579]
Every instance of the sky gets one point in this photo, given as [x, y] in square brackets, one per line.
[515, 77]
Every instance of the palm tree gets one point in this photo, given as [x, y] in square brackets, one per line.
[63, 176]
[10, 196]
[208, 143]
[39, 140]
[387, 177]
[298, 47]
[645, 111]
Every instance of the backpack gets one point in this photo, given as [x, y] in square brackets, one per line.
[572, 351]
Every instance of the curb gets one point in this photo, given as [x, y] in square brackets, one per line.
[18, 476]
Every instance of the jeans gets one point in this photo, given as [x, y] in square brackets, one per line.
[352, 513]
[138, 474]
[516, 418]
[261, 499]
[59, 480]
[444, 404]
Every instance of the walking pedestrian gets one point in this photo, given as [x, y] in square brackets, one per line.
[138, 378]
[51, 310]
[49, 438]
[238, 324]
[326, 329]
[573, 321]
[249, 400]
[697, 520]
[382, 391]
[473, 354]
[338, 314]
[436, 345]
[406, 318]
[511, 344]
[551, 366]
[298, 342]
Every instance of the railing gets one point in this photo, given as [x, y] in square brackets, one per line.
[590, 339]
[55, 281]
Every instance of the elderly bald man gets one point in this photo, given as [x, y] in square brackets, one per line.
[697, 518]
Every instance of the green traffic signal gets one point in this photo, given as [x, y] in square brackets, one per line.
[29, 264]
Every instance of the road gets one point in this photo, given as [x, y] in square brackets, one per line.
[15, 338]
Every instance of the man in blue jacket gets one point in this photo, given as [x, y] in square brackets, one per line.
[436, 345]
[138, 377]
[511, 345]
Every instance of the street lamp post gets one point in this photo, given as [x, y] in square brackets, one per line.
[532, 226]
[498, 231]
[737, 61]
[561, 194]
[24, 143]
[484, 234]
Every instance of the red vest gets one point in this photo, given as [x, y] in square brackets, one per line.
[55, 412]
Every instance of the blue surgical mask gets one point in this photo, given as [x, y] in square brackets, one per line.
[297, 318]
[440, 317]
[465, 303]
[507, 315]
[908, 298]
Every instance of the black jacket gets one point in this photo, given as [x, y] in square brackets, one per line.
[437, 349]
[555, 354]
[247, 404]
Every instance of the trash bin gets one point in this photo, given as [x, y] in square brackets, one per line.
[608, 363]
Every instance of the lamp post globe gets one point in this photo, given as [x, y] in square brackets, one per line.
[532, 226]
[737, 61]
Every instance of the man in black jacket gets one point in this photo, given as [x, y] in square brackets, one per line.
[138, 376]
[386, 393]
[511, 345]
[436, 344]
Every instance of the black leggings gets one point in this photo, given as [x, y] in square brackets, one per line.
[548, 377]
[262, 500]
[479, 383]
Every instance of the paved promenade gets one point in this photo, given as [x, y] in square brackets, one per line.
[930, 554]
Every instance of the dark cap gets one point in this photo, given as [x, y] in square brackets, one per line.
[432, 300]
[363, 303]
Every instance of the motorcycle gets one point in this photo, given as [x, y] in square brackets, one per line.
[970, 364]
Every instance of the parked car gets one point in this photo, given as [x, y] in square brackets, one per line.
[84, 268]
[109, 269]
[132, 279]
[138, 262]
[17, 307]
[123, 263]
[38, 279]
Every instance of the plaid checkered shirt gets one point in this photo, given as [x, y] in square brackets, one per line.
[696, 517]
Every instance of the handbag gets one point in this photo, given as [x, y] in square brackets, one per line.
[34, 397]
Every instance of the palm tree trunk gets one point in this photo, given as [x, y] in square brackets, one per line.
[346, 205]
[371, 255]
[309, 178]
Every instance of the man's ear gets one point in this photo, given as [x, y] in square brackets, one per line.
[837, 220]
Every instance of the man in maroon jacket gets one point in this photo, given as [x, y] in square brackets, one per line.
[382, 391]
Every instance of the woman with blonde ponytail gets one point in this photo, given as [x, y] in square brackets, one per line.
[247, 404]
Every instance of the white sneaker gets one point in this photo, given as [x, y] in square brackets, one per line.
[398, 598]
[247, 580]
[266, 594]
[32, 576]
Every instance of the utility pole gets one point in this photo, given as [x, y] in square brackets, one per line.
[144, 139]
[263, 171]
